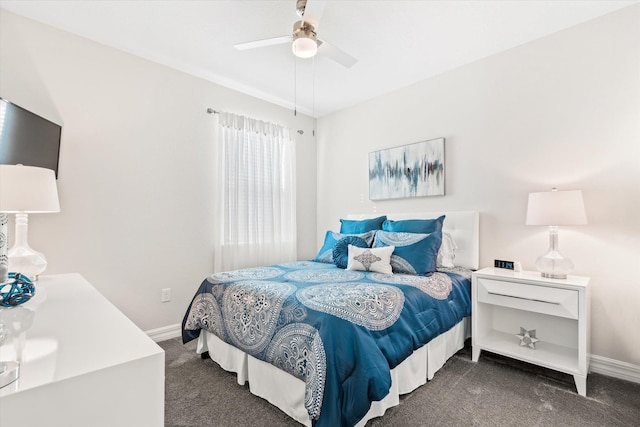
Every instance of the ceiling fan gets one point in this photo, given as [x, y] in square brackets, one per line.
[304, 40]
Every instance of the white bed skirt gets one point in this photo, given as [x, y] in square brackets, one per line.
[269, 382]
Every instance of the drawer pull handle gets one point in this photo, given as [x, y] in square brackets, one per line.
[527, 299]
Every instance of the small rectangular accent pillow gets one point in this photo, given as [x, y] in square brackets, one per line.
[447, 251]
[425, 226]
[361, 226]
[370, 259]
[415, 253]
[325, 254]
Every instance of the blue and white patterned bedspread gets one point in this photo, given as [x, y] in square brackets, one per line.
[340, 331]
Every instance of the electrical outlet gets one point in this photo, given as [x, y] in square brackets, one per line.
[166, 295]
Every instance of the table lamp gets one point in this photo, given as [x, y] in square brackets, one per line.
[24, 190]
[555, 208]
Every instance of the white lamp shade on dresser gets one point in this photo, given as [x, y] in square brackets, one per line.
[28, 189]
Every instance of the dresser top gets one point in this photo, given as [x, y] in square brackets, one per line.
[67, 329]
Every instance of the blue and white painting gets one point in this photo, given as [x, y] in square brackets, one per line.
[414, 170]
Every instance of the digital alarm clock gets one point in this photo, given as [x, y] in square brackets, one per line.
[499, 263]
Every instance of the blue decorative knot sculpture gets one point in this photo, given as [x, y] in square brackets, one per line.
[17, 290]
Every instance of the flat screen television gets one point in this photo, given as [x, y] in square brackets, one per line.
[28, 139]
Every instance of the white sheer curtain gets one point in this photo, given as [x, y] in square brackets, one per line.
[255, 193]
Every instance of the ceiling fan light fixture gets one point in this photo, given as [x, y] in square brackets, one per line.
[304, 47]
[305, 44]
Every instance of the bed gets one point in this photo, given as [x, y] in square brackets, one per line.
[336, 346]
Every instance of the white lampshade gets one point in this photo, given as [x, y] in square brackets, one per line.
[28, 189]
[304, 47]
[556, 208]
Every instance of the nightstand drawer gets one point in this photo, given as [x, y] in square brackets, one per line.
[539, 299]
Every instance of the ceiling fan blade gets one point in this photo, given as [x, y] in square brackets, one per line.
[313, 12]
[338, 55]
[264, 42]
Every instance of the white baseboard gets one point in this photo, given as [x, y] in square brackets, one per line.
[615, 368]
[165, 333]
[598, 364]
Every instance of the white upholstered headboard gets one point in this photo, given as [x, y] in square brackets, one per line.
[464, 227]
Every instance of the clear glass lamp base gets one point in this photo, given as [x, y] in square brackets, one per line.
[553, 264]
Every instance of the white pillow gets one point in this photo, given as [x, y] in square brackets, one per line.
[370, 259]
[447, 251]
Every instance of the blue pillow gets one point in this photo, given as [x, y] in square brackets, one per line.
[341, 249]
[415, 253]
[425, 226]
[353, 226]
[325, 254]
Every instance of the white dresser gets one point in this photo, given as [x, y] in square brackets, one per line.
[83, 362]
[557, 309]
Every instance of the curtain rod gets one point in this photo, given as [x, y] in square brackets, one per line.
[212, 111]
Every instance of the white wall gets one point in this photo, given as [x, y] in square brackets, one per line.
[560, 111]
[135, 166]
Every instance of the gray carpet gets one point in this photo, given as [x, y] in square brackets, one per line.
[496, 391]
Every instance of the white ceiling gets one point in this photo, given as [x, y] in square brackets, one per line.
[397, 43]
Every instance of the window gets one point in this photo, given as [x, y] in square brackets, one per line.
[256, 193]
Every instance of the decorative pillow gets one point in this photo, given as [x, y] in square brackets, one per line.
[361, 226]
[447, 251]
[425, 226]
[415, 253]
[370, 259]
[325, 254]
[341, 249]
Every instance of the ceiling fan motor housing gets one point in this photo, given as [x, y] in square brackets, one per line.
[304, 29]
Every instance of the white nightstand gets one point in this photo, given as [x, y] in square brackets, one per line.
[558, 309]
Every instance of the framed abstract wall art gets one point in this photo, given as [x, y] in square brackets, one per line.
[414, 170]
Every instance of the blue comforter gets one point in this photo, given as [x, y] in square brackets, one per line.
[340, 331]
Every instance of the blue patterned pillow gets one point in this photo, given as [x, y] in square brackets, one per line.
[361, 226]
[325, 254]
[341, 249]
[415, 253]
[414, 225]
